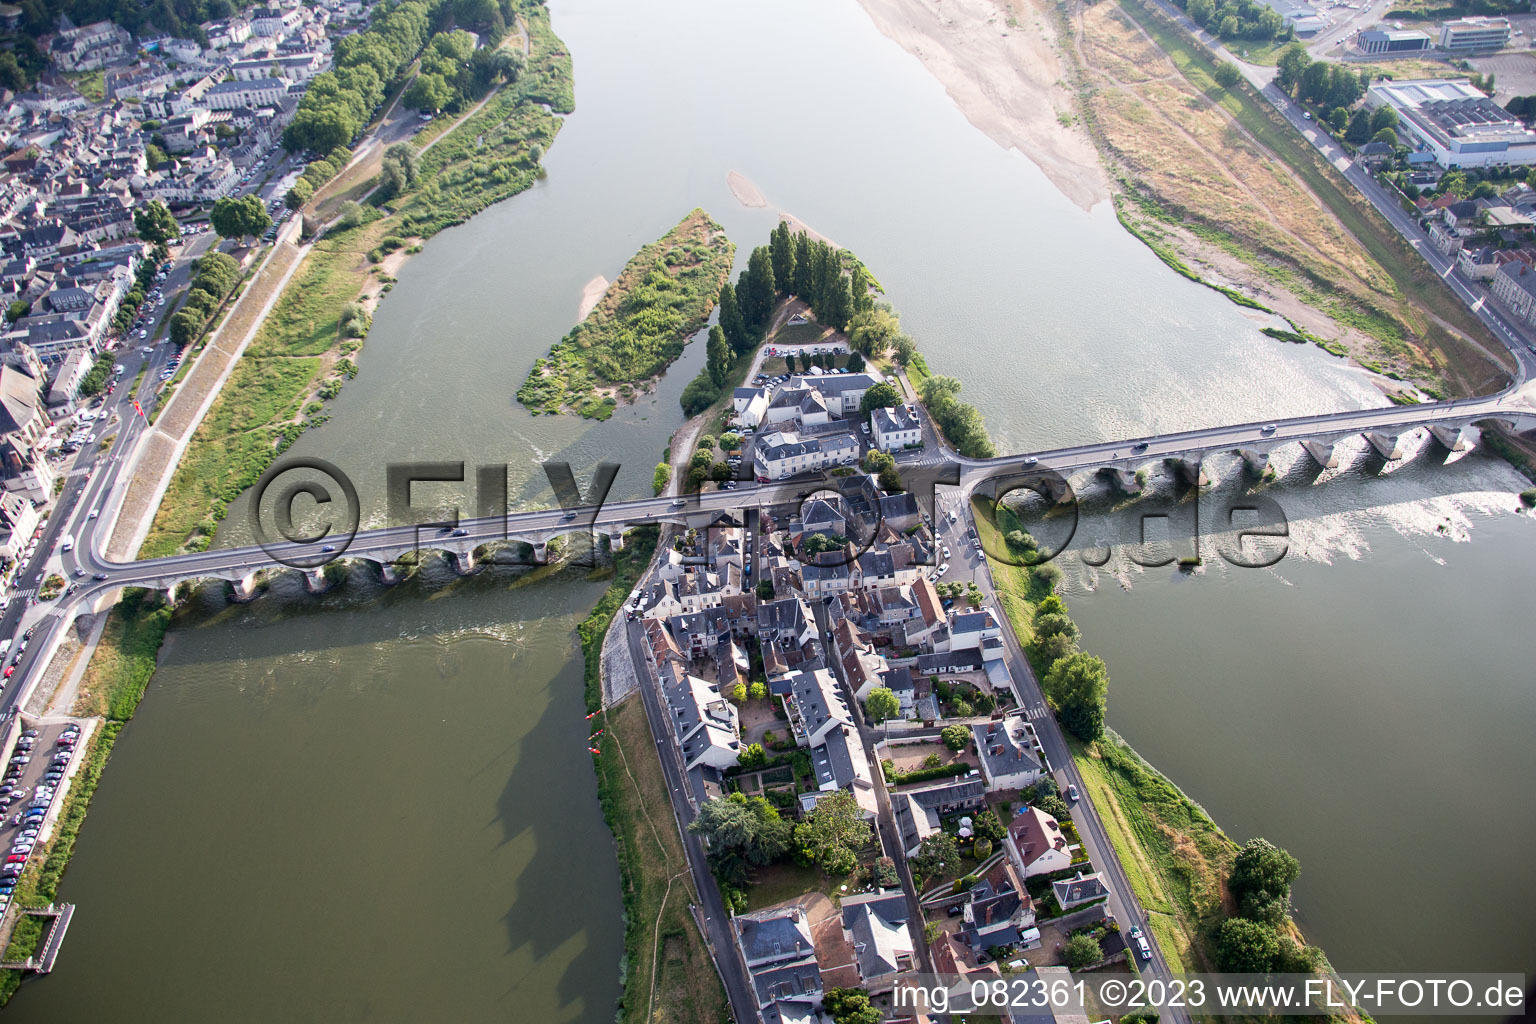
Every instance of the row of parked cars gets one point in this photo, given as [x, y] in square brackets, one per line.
[29, 820]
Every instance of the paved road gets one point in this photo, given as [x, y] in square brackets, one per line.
[965, 560]
[1262, 77]
[717, 928]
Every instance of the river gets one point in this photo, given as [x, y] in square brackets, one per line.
[377, 805]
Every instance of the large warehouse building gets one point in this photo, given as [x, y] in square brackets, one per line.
[1376, 41]
[1457, 124]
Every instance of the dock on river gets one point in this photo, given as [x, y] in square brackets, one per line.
[43, 963]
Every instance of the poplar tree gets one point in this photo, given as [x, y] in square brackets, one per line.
[730, 320]
[718, 363]
[839, 303]
[754, 289]
[781, 248]
[802, 265]
[863, 300]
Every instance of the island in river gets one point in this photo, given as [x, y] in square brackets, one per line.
[639, 327]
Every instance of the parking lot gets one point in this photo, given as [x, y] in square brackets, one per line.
[37, 765]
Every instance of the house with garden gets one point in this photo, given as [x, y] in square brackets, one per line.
[1036, 843]
[1010, 753]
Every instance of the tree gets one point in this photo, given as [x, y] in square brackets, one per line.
[239, 218]
[890, 480]
[153, 223]
[299, 194]
[982, 850]
[837, 303]
[1077, 685]
[1049, 574]
[759, 691]
[1294, 60]
[1299, 958]
[1047, 626]
[729, 442]
[873, 330]
[1082, 950]
[185, 327]
[321, 129]
[862, 288]
[850, 1006]
[1483, 189]
[1359, 131]
[882, 396]
[988, 826]
[781, 252]
[755, 291]
[1227, 74]
[429, 92]
[789, 362]
[855, 362]
[1201, 11]
[1246, 947]
[764, 590]
[1261, 879]
[833, 832]
[802, 286]
[882, 704]
[740, 833]
[752, 756]
[1454, 183]
[739, 693]
[730, 321]
[961, 708]
[661, 477]
[1338, 118]
[934, 853]
[1383, 117]
[955, 737]
[1054, 806]
[718, 362]
[17, 309]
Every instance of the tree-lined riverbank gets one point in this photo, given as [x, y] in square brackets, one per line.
[306, 348]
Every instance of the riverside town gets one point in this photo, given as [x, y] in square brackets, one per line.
[799, 512]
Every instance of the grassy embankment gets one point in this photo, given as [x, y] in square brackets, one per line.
[1176, 858]
[668, 976]
[639, 327]
[302, 354]
[1216, 177]
[114, 681]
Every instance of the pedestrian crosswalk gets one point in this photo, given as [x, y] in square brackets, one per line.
[1037, 712]
[926, 457]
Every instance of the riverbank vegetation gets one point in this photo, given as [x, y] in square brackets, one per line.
[640, 326]
[1185, 871]
[1213, 178]
[304, 350]
[115, 679]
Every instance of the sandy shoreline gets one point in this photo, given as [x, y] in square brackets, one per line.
[591, 295]
[746, 193]
[997, 60]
